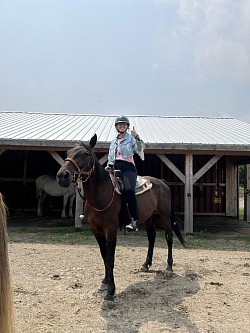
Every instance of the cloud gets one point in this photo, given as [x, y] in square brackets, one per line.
[217, 35]
[155, 67]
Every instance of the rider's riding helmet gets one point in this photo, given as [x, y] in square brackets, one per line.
[122, 119]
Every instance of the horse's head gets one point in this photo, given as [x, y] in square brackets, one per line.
[80, 160]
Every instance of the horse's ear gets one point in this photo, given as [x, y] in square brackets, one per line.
[93, 140]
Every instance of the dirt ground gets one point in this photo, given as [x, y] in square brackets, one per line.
[55, 289]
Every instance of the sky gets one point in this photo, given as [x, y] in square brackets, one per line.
[132, 57]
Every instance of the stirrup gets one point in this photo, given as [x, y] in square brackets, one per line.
[132, 226]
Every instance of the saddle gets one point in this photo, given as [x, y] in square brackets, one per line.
[142, 184]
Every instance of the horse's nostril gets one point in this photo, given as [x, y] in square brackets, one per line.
[63, 178]
[66, 175]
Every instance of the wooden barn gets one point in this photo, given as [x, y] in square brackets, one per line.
[199, 157]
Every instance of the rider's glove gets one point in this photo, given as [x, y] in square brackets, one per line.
[109, 168]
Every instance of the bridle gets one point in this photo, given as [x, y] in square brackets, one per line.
[77, 177]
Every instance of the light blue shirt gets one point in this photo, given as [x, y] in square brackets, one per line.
[128, 146]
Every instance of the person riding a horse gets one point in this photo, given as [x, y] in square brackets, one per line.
[120, 157]
[103, 206]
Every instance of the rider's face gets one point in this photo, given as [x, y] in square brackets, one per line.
[122, 127]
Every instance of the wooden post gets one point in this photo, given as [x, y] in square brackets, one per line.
[79, 207]
[188, 200]
[231, 188]
[247, 201]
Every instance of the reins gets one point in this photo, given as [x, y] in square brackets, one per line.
[89, 173]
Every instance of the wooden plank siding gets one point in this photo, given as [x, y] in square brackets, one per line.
[214, 192]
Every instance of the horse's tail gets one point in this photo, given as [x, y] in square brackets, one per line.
[176, 228]
[7, 324]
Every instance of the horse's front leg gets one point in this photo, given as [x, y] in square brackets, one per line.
[65, 201]
[101, 240]
[151, 234]
[109, 265]
[107, 249]
[71, 201]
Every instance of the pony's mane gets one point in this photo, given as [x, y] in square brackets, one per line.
[6, 298]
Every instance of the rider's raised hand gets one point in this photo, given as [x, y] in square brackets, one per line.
[134, 133]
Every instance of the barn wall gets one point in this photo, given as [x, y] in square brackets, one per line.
[209, 191]
[19, 169]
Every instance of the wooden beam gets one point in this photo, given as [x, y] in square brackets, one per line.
[172, 167]
[79, 207]
[206, 167]
[247, 210]
[56, 157]
[188, 195]
[103, 159]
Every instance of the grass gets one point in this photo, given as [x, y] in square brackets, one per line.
[51, 235]
[69, 236]
[241, 214]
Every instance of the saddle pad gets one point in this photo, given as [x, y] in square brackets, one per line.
[142, 184]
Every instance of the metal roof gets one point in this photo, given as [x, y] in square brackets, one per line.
[40, 128]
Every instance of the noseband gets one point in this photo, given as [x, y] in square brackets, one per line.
[78, 176]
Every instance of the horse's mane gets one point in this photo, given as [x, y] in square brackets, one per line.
[101, 175]
[6, 298]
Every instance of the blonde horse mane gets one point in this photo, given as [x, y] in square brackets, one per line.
[7, 324]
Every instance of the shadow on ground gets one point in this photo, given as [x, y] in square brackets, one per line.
[153, 306]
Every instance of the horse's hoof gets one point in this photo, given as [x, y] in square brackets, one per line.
[144, 269]
[108, 302]
[103, 287]
[108, 305]
[169, 272]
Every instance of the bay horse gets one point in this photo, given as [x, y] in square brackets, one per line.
[103, 204]
[47, 184]
[7, 324]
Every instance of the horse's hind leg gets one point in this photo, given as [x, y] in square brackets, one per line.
[151, 234]
[169, 239]
[41, 198]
